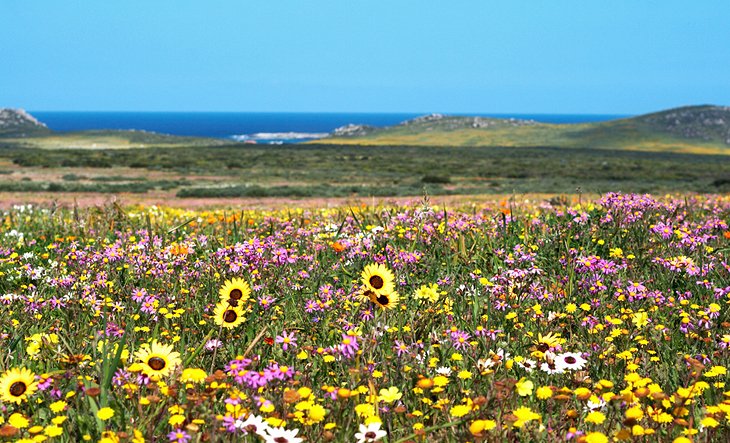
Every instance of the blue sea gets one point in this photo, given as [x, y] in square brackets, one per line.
[261, 127]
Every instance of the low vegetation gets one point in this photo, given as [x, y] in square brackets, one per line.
[325, 170]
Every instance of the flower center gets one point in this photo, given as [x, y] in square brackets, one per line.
[376, 282]
[236, 294]
[281, 440]
[570, 359]
[230, 316]
[18, 388]
[156, 363]
[383, 300]
[370, 435]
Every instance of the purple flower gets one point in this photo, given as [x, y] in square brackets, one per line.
[178, 436]
[349, 345]
[266, 301]
[139, 295]
[367, 315]
[274, 371]
[400, 347]
[213, 344]
[286, 340]
[460, 339]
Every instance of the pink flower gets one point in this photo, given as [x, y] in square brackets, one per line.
[286, 340]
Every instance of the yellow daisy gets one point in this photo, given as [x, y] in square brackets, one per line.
[157, 359]
[17, 384]
[428, 292]
[365, 294]
[378, 278]
[386, 300]
[227, 315]
[548, 341]
[193, 375]
[235, 291]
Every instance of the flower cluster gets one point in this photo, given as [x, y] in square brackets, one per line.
[549, 321]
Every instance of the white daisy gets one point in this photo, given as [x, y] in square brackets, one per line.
[370, 433]
[528, 364]
[281, 435]
[254, 424]
[551, 368]
[570, 361]
[494, 359]
[592, 405]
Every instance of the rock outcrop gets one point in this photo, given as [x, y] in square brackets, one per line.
[706, 123]
[352, 130]
[18, 123]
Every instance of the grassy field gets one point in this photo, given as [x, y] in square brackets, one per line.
[616, 136]
[691, 130]
[541, 322]
[353, 171]
[106, 140]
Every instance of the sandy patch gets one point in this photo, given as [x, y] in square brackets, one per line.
[162, 198]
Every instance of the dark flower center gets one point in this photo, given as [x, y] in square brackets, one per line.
[376, 282]
[230, 316]
[236, 294]
[570, 360]
[281, 440]
[542, 347]
[18, 388]
[383, 300]
[370, 435]
[156, 363]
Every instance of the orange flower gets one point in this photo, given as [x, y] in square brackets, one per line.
[503, 208]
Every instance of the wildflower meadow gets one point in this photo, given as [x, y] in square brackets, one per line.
[560, 320]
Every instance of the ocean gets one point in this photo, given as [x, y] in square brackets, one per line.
[261, 127]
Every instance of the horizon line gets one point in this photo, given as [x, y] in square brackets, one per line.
[459, 113]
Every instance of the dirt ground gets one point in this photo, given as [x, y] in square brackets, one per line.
[160, 198]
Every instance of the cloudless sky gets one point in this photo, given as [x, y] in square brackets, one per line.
[459, 56]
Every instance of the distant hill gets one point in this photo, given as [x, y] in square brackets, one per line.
[19, 128]
[696, 129]
[17, 122]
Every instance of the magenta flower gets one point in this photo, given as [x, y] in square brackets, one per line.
[286, 340]
[400, 347]
[460, 339]
[178, 436]
[349, 345]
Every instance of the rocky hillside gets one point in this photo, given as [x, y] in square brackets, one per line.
[698, 129]
[18, 123]
[707, 123]
[430, 123]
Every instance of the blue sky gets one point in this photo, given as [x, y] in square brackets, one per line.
[466, 56]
